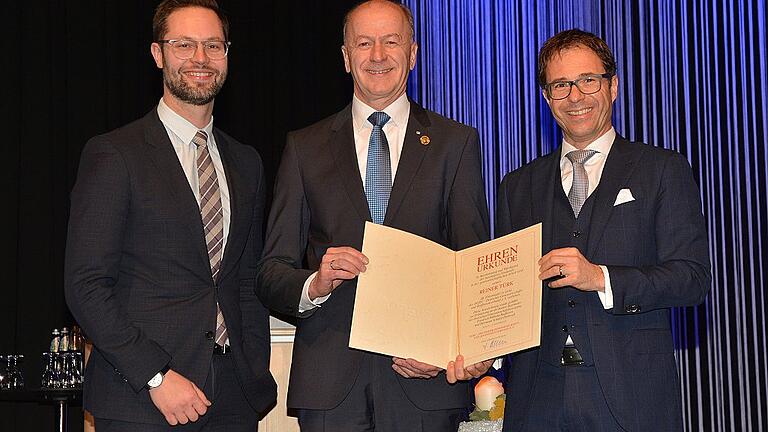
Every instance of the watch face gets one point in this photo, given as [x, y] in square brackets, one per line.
[156, 380]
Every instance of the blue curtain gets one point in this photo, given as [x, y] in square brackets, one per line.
[692, 77]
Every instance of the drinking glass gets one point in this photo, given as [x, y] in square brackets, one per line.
[3, 373]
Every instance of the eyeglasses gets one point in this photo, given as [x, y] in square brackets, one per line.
[587, 84]
[184, 49]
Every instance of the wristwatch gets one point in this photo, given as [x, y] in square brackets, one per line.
[158, 378]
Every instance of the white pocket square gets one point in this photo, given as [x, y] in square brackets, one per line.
[624, 196]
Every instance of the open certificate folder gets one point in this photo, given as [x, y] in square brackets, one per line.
[421, 300]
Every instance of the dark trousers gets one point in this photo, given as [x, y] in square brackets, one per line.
[229, 411]
[377, 403]
[569, 399]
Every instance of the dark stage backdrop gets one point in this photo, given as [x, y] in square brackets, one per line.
[75, 69]
[693, 77]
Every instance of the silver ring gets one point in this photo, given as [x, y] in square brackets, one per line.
[330, 264]
[560, 269]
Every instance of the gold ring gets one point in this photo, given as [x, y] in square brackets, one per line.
[560, 269]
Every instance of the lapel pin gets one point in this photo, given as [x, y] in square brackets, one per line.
[424, 140]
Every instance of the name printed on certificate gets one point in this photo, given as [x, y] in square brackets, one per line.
[421, 300]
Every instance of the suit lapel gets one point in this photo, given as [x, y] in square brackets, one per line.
[618, 168]
[235, 185]
[544, 184]
[410, 159]
[160, 151]
[342, 145]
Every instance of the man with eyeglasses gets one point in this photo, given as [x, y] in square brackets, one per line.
[624, 241]
[165, 231]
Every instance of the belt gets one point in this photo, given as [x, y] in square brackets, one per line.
[221, 349]
[571, 357]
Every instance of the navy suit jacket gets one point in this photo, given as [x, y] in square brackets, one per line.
[655, 248]
[319, 202]
[138, 278]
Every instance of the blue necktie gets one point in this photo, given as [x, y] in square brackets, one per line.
[378, 172]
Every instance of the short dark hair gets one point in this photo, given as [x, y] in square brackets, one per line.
[570, 39]
[167, 7]
[403, 8]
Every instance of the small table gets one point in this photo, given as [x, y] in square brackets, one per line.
[61, 398]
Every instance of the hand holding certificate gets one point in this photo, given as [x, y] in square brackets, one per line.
[421, 300]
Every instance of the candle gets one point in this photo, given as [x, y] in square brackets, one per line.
[486, 391]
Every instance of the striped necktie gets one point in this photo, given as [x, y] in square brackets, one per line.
[580, 188]
[213, 219]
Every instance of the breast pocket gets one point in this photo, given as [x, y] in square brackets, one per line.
[627, 223]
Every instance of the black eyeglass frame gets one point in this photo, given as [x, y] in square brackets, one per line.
[548, 86]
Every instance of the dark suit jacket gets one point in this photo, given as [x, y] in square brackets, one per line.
[138, 279]
[655, 248]
[320, 202]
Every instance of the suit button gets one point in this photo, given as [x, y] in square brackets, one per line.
[209, 335]
[565, 328]
[577, 234]
[571, 303]
[632, 308]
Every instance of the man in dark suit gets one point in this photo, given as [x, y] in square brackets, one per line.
[164, 237]
[384, 159]
[624, 241]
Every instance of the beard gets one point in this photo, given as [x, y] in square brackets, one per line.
[191, 93]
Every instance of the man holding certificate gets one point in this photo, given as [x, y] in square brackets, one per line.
[387, 160]
[624, 241]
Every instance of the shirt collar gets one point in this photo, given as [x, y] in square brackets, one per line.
[180, 126]
[602, 145]
[398, 112]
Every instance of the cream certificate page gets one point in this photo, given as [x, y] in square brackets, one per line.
[499, 296]
[418, 299]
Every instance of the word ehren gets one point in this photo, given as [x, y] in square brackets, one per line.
[493, 260]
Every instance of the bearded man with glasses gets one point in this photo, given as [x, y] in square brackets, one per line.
[624, 241]
[164, 234]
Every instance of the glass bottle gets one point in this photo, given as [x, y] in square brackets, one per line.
[54, 341]
[64, 340]
[77, 339]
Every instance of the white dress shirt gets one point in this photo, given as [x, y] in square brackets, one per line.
[594, 167]
[181, 132]
[399, 111]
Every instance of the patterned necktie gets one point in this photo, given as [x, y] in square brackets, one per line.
[378, 172]
[580, 187]
[213, 219]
